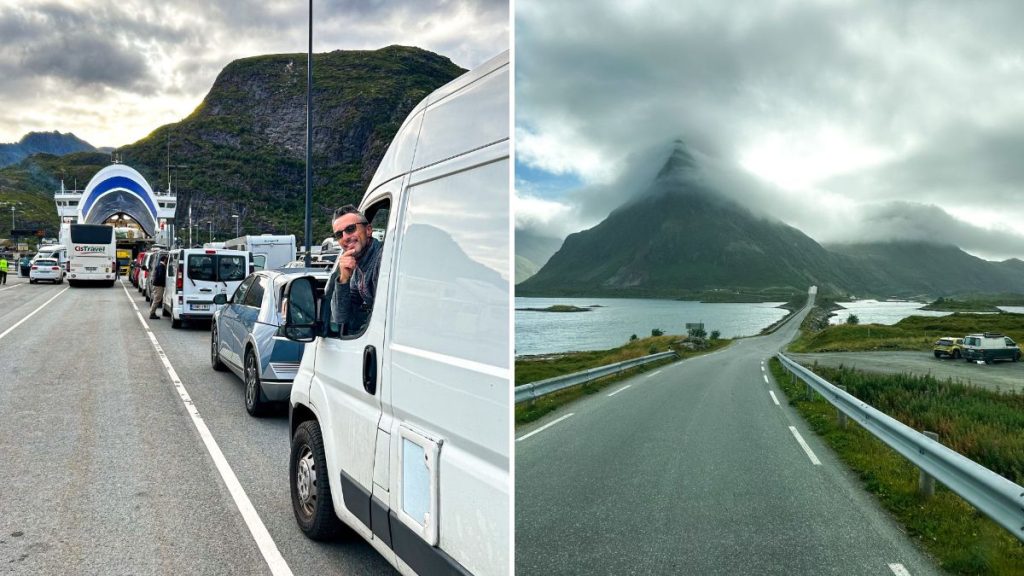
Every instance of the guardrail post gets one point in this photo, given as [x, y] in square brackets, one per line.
[843, 419]
[925, 482]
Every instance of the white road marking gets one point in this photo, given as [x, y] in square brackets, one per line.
[12, 287]
[655, 373]
[774, 399]
[762, 367]
[899, 570]
[32, 313]
[807, 449]
[276, 562]
[544, 427]
[765, 376]
[619, 390]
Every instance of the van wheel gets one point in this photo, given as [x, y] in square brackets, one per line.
[175, 322]
[956, 354]
[1016, 357]
[310, 487]
[255, 405]
[214, 354]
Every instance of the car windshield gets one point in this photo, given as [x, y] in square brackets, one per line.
[944, 342]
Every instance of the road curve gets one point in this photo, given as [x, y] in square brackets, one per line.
[694, 469]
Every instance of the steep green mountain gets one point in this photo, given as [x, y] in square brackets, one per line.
[54, 143]
[29, 186]
[532, 251]
[679, 238]
[242, 151]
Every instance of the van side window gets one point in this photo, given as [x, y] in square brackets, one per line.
[362, 288]
[453, 268]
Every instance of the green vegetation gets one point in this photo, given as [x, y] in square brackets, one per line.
[536, 368]
[911, 333]
[852, 320]
[985, 426]
[953, 305]
[557, 308]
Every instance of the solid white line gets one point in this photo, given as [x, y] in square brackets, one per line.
[807, 449]
[899, 570]
[619, 390]
[11, 287]
[544, 427]
[264, 541]
[32, 313]
[774, 399]
[655, 373]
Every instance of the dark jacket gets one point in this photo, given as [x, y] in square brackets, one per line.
[160, 275]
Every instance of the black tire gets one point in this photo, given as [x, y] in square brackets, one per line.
[31, 281]
[956, 354]
[310, 485]
[938, 354]
[175, 322]
[147, 297]
[1016, 356]
[214, 353]
[255, 405]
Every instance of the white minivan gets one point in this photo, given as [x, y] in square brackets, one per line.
[401, 430]
[195, 276]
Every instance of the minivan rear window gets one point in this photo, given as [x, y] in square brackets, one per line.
[216, 268]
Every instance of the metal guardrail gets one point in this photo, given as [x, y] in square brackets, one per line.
[995, 496]
[535, 390]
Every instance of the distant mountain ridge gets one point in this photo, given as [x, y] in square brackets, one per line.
[680, 237]
[55, 143]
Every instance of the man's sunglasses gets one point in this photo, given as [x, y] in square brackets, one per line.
[350, 229]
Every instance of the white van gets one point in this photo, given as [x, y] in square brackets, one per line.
[58, 252]
[195, 276]
[401, 430]
[269, 251]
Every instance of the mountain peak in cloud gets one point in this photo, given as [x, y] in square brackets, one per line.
[680, 162]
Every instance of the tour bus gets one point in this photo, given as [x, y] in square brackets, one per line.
[92, 254]
[400, 429]
[269, 251]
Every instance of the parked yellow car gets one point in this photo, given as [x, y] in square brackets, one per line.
[948, 346]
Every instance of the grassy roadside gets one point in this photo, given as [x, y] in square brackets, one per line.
[985, 426]
[912, 333]
[533, 369]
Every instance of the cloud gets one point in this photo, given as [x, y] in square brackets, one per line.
[156, 60]
[808, 110]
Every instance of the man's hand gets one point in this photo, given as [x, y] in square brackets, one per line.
[346, 264]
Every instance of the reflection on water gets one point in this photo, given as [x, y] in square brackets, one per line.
[614, 320]
[875, 312]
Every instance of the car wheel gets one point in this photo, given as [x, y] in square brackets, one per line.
[310, 487]
[956, 354]
[938, 354]
[175, 322]
[214, 354]
[255, 405]
[31, 281]
[1016, 357]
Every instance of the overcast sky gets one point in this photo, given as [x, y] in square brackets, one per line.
[857, 120]
[113, 71]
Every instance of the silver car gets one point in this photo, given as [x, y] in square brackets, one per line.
[242, 337]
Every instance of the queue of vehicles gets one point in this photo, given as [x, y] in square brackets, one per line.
[399, 430]
[987, 347]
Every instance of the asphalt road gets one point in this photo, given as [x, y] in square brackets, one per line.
[1002, 376]
[694, 469]
[102, 469]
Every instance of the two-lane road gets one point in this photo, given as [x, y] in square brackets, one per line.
[696, 469]
[103, 469]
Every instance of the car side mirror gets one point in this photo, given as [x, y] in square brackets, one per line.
[299, 305]
[220, 299]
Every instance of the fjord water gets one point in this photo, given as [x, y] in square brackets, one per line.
[881, 312]
[613, 320]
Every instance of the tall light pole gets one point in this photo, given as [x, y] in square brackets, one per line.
[309, 140]
[12, 220]
[235, 216]
[211, 231]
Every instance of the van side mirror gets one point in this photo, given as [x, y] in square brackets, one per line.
[220, 299]
[299, 305]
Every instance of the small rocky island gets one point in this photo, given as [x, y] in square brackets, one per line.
[556, 308]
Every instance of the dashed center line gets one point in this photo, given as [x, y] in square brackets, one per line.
[544, 427]
[899, 570]
[619, 390]
[765, 376]
[774, 399]
[655, 373]
[807, 449]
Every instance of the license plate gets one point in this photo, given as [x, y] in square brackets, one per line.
[90, 268]
[200, 306]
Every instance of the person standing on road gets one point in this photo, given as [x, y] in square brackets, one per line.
[159, 280]
[3, 270]
[353, 281]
